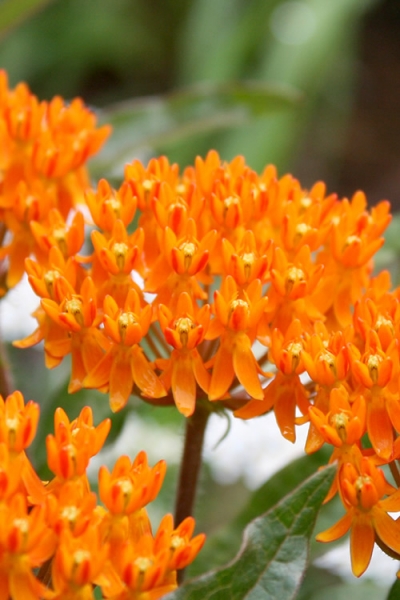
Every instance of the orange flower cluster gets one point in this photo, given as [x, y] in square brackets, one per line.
[214, 283]
[56, 532]
[44, 148]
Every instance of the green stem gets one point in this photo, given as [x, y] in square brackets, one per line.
[191, 464]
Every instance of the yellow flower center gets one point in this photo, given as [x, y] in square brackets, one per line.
[124, 320]
[22, 525]
[74, 308]
[115, 206]
[183, 325]
[305, 202]
[81, 556]
[70, 513]
[248, 261]
[237, 304]
[339, 422]
[373, 362]
[382, 321]
[229, 202]
[60, 235]
[302, 229]
[352, 239]
[180, 189]
[147, 185]
[125, 486]
[120, 250]
[49, 280]
[188, 250]
[176, 542]
[143, 563]
[294, 275]
[295, 349]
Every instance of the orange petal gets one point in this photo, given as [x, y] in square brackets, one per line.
[380, 429]
[184, 385]
[362, 539]
[144, 376]
[223, 373]
[387, 529]
[337, 530]
[245, 367]
[121, 383]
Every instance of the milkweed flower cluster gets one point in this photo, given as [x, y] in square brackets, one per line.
[243, 290]
[58, 527]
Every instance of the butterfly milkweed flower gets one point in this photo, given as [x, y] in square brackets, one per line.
[362, 493]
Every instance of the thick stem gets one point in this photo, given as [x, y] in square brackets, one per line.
[6, 379]
[191, 462]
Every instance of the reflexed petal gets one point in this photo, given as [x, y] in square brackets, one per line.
[184, 385]
[362, 539]
[223, 373]
[387, 529]
[144, 376]
[380, 429]
[337, 530]
[245, 367]
[121, 383]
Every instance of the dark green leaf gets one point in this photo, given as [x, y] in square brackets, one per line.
[274, 554]
[13, 12]
[149, 124]
[394, 593]
[221, 547]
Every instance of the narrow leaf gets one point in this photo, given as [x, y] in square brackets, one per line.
[274, 553]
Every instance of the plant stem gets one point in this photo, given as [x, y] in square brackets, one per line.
[191, 463]
[6, 379]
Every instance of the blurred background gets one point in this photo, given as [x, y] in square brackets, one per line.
[310, 85]
[342, 57]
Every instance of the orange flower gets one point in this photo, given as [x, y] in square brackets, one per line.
[18, 422]
[376, 372]
[26, 542]
[125, 362]
[77, 314]
[362, 492]
[131, 485]
[69, 450]
[345, 423]
[78, 564]
[285, 391]
[236, 322]
[108, 206]
[183, 549]
[184, 369]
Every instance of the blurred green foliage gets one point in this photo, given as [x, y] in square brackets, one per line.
[112, 50]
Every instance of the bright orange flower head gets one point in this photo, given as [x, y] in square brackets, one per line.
[69, 450]
[26, 541]
[18, 422]
[362, 492]
[185, 331]
[131, 485]
[183, 548]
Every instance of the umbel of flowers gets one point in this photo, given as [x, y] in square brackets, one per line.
[212, 285]
[57, 532]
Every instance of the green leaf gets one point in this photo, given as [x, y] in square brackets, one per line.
[221, 546]
[13, 12]
[149, 124]
[274, 554]
[394, 593]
